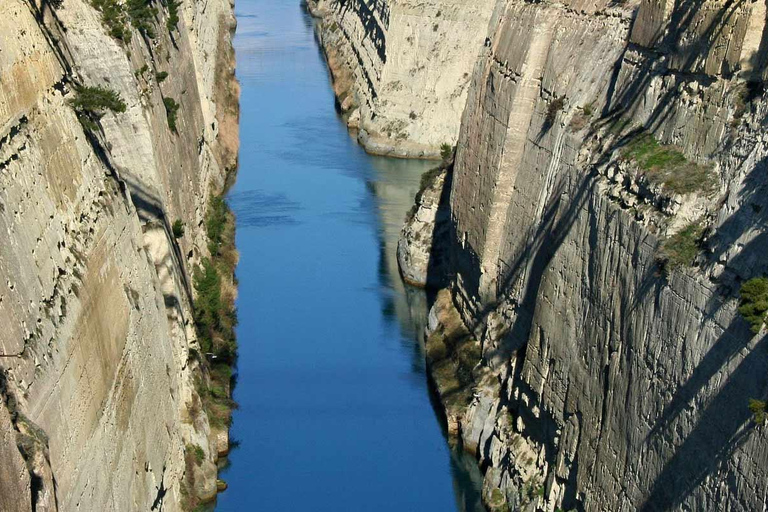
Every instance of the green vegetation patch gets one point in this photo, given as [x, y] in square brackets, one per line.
[171, 112]
[114, 18]
[97, 100]
[173, 15]
[555, 106]
[215, 395]
[91, 103]
[665, 165]
[497, 501]
[757, 408]
[197, 453]
[446, 152]
[754, 302]
[680, 249]
[142, 16]
[215, 316]
[161, 76]
[216, 223]
[178, 228]
[209, 309]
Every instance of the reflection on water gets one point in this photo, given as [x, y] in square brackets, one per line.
[395, 184]
[256, 208]
[335, 412]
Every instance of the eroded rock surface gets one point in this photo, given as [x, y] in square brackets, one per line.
[609, 374]
[95, 290]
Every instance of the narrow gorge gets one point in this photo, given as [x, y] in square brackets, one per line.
[479, 256]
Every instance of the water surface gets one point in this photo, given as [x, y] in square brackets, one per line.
[335, 412]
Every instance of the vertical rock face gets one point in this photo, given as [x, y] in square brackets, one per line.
[401, 69]
[95, 293]
[613, 369]
[421, 249]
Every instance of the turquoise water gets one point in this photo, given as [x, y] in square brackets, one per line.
[335, 413]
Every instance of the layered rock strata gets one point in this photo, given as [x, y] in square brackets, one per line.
[96, 291]
[401, 69]
[600, 363]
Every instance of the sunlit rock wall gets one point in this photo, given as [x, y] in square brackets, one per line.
[94, 289]
[402, 68]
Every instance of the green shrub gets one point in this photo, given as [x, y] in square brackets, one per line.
[216, 221]
[91, 103]
[178, 228]
[666, 165]
[681, 248]
[114, 18]
[215, 316]
[197, 452]
[208, 305]
[757, 407]
[587, 109]
[555, 106]
[161, 76]
[218, 405]
[142, 16]
[446, 152]
[173, 15]
[754, 302]
[428, 177]
[171, 112]
[497, 498]
[97, 100]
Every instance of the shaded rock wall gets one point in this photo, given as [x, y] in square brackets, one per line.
[608, 379]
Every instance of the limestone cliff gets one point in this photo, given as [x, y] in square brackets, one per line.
[608, 202]
[421, 248]
[401, 69]
[96, 291]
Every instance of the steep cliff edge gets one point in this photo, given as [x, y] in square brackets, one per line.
[608, 203]
[118, 125]
[401, 69]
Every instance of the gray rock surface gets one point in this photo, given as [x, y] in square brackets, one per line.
[604, 382]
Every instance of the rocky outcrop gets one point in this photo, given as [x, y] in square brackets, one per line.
[401, 69]
[421, 249]
[599, 144]
[96, 294]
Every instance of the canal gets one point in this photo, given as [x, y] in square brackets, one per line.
[334, 409]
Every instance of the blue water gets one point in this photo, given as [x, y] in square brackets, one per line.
[335, 412]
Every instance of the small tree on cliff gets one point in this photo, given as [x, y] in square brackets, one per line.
[208, 304]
